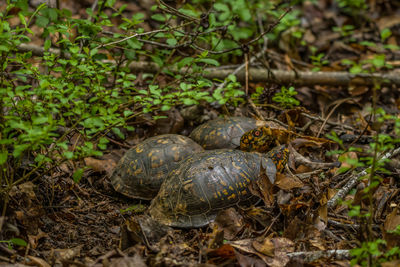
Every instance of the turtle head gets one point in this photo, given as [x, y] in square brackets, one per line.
[279, 156]
[259, 139]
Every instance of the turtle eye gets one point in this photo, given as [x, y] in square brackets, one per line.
[257, 133]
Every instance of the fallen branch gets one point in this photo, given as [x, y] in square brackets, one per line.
[310, 256]
[262, 75]
[354, 180]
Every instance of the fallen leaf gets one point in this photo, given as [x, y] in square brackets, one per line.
[287, 183]
[38, 261]
[225, 251]
[34, 239]
[230, 221]
[391, 223]
[67, 253]
[266, 247]
[135, 261]
[99, 165]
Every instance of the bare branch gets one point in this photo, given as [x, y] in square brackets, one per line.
[354, 181]
[261, 75]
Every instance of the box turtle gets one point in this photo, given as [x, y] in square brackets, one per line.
[224, 132]
[142, 169]
[207, 182]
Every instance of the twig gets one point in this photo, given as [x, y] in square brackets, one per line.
[354, 180]
[310, 256]
[330, 114]
[344, 126]
[261, 75]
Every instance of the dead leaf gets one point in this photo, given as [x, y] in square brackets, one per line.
[391, 223]
[287, 183]
[38, 261]
[262, 187]
[216, 237]
[247, 261]
[282, 247]
[34, 239]
[395, 263]
[266, 247]
[225, 251]
[230, 221]
[388, 22]
[99, 165]
[135, 261]
[67, 253]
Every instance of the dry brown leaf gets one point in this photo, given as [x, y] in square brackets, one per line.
[287, 183]
[395, 263]
[230, 221]
[135, 261]
[67, 253]
[262, 187]
[282, 247]
[391, 223]
[388, 22]
[303, 169]
[266, 247]
[226, 251]
[38, 261]
[99, 165]
[34, 239]
[216, 238]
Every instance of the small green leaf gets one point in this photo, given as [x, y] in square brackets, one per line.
[18, 242]
[159, 17]
[209, 61]
[42, 21]
[77, 176]
[74, 49]
[47, 44]
[3, 156]
[385, 33]
[118, 132]
[171, 42]
[22, 18]
[68, 154]
[4, 48]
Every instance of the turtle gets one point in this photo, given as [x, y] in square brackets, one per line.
[263, 138]
[207, 182]
[225, 132]
[142, 169]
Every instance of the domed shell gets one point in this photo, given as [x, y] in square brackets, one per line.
[224, 132]
[205, 183]
[141, 171]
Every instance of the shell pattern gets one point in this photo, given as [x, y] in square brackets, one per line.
[205, 183]
[141, 171]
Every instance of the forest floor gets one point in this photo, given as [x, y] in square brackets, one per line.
[89, 224]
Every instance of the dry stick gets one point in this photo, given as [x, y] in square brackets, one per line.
[310, 256]
[261, 75]
[344, 126]
[354, 180]
[330, 114]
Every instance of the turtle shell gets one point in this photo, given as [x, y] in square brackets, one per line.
[141, 171]
[205, 183]
[224, 132]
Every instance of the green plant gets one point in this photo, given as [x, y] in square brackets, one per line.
[257, 94]
[230, 92]
[369, 65]
[372, 251]
[318, 61]
[352, 6]
[14, 242]
[285, 97]
[66, 105]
